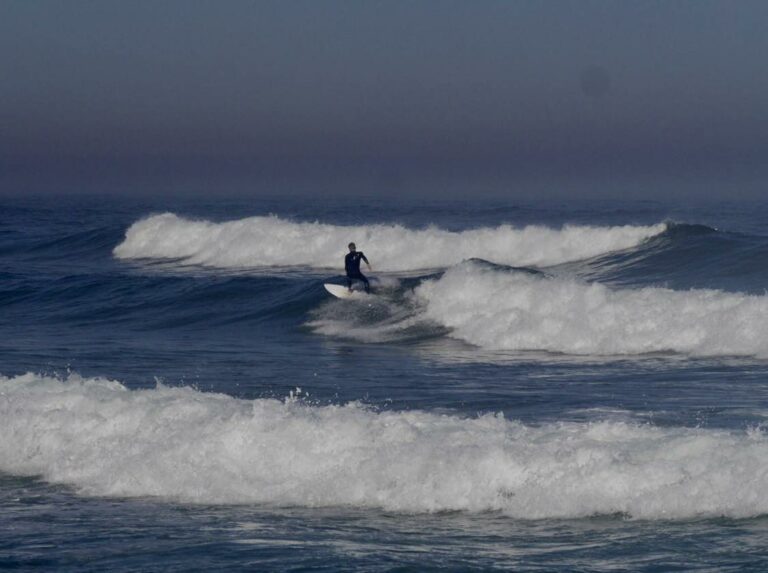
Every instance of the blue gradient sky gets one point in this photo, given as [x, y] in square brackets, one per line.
[496, 93]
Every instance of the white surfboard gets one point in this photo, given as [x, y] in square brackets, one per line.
[340, 291]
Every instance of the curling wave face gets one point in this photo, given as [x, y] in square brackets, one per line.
[272, 241]
[504, 309]
[181, 444]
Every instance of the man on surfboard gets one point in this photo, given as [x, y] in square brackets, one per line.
[352, 266]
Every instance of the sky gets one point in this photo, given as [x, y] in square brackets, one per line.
[398, 95]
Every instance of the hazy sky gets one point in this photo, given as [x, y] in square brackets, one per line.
[508, 91]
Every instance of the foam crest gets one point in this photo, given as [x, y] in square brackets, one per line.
[498, 309]
[272, 241]
[181, 444]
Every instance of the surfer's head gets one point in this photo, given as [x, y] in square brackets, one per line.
[352, 247]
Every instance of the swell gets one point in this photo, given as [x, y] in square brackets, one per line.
[159, 300]
[38, 243]
[686, 256]
[272, 241]
[180, 444]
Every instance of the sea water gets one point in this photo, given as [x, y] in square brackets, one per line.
[532, 385]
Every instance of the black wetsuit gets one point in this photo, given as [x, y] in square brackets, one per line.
[352, 266]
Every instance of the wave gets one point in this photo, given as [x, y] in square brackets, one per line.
[392, 315]
[686, 256]
[272, 241]
[180, 444]
[497, 309]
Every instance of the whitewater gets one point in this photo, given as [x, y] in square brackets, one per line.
[180, 444]
[272, 241]
[513, 310]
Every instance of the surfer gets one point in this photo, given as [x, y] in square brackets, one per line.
[352, 266]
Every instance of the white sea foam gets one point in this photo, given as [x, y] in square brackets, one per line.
[181, 444]
[272, 241]
[498, 309]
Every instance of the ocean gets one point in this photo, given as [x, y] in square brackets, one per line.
[533, 386]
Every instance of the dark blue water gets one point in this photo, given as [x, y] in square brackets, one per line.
[552, 386]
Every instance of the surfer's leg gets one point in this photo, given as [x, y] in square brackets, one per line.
[366, 284]
[349, 283]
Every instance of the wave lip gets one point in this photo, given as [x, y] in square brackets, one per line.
[181, 444]
[518, 311]
[272, 241]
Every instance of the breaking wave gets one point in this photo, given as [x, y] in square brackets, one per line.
[505, 309]
[180, 444]
[272, 241]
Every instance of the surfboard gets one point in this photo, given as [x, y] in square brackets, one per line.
[340, 291]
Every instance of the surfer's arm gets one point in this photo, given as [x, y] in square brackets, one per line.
[362, 256]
